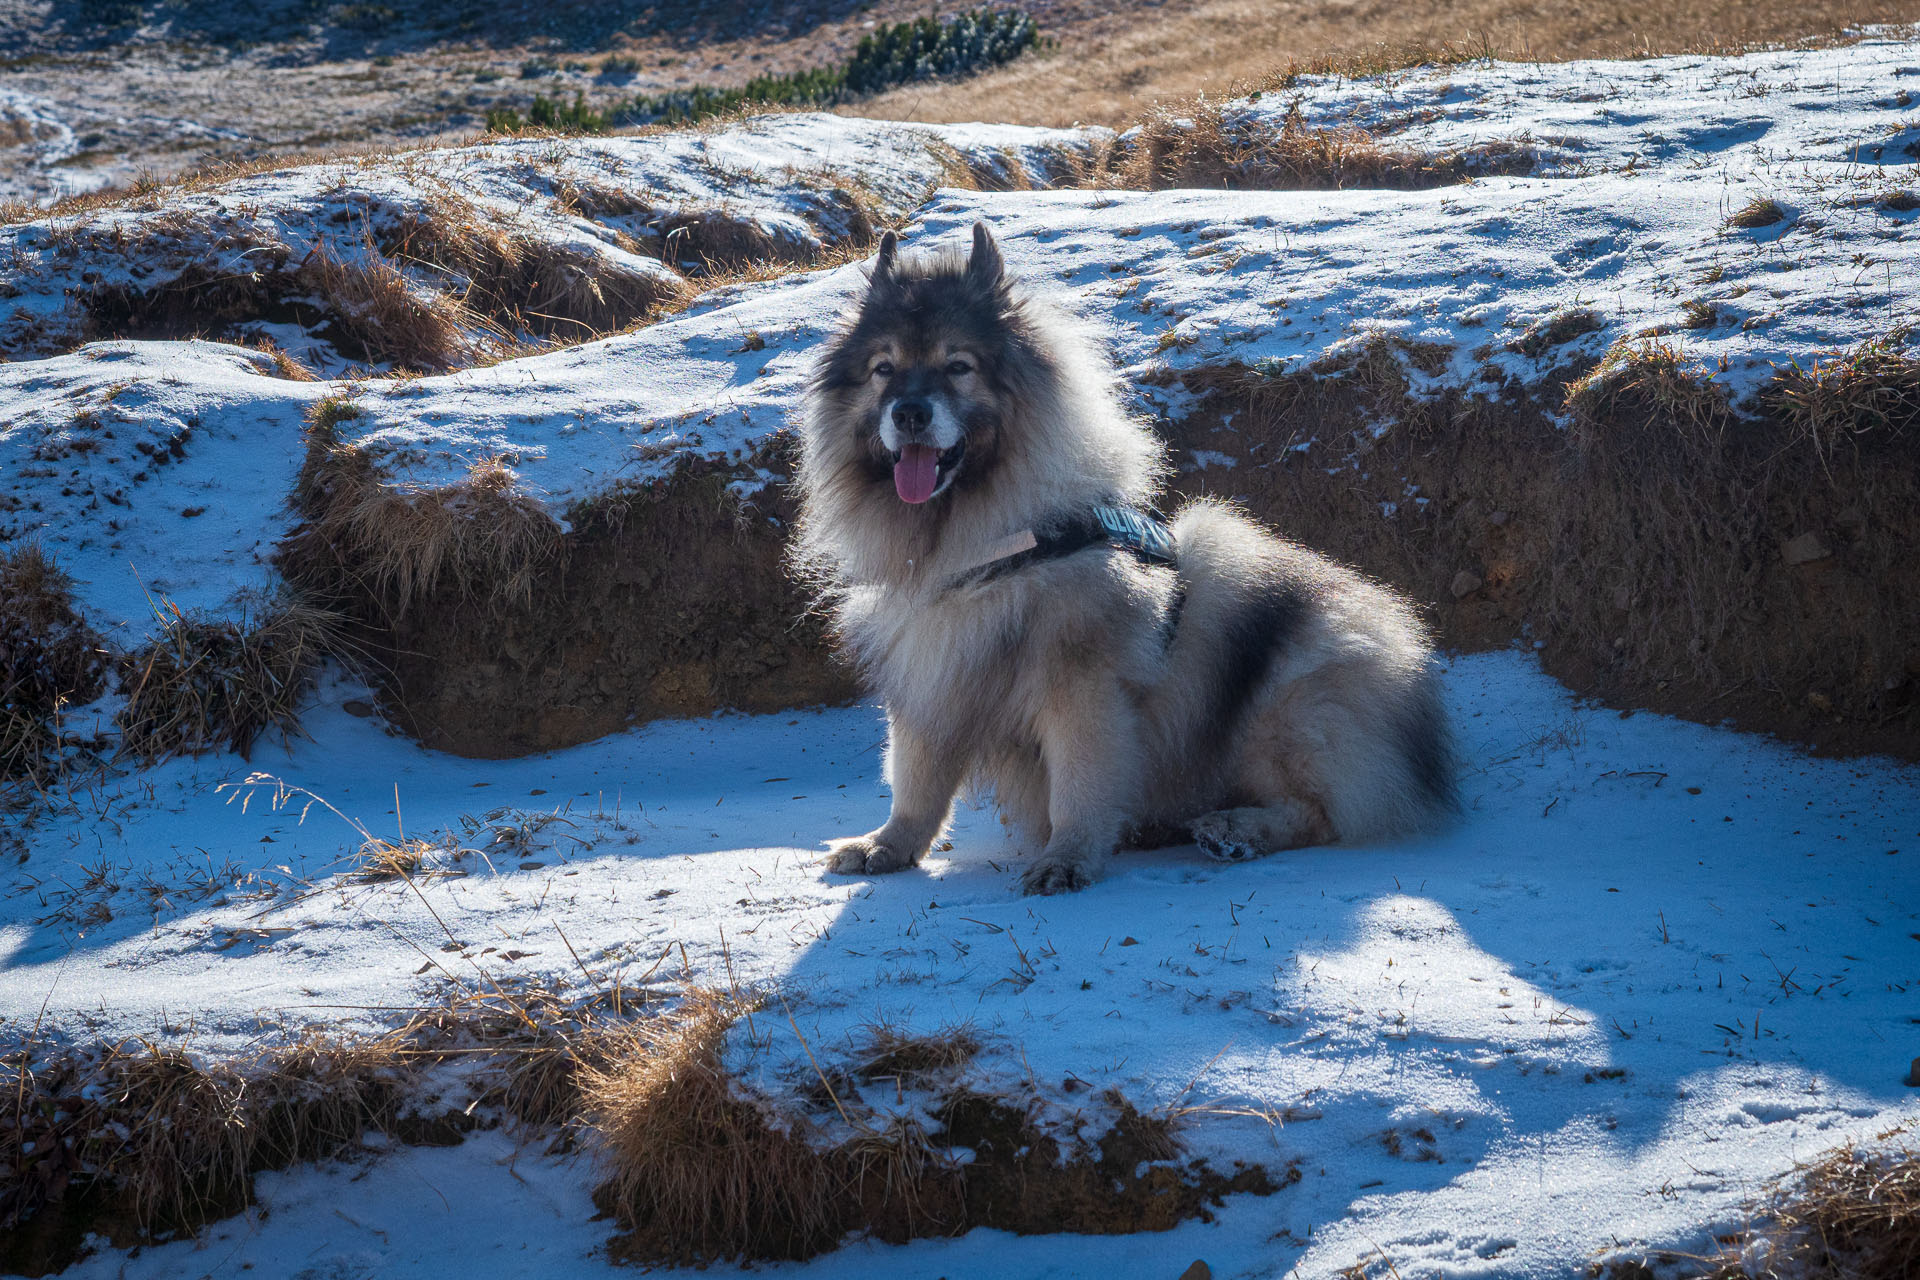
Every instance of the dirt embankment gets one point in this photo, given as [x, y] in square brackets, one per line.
[667, 599]
[1662, 550]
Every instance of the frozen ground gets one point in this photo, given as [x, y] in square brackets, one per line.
[1654, 965]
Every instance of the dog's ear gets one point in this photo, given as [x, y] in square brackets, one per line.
[986, 266]
[889, 250]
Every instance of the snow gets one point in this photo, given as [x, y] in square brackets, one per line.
[1654, 965]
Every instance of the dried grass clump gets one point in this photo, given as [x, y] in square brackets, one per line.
[1870, 394]
[364, 537]
[207, 683]
[1851, 1215]
[891, 1053]
[381, 314]
[49, 659]
[1644, 389]
[1761, 211]
[714, 240]
[1208, 144]
[1855, 1216]
[379, 860]
[170, 1142]
[515, 282]
[702, 1171]
[1557, 330]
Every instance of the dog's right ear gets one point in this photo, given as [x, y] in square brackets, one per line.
[889, 250]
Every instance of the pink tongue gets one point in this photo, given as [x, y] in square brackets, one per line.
[915, 475]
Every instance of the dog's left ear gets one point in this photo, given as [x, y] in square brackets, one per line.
[889, 250]
[986, 266]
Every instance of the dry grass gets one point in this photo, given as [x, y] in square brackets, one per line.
[136, 1138]
[174, 1141]
[1646, 383]
[702, 1171]
[1848, 1215]
[890, 1053]
[1853, 1216]
[49, 659]
[210, 683]
[1217, 47]
[382, 314]
[364, 537]
[1866, 396]
[1206, 143]
[379, 860]
[516, 282]
[1761, 211]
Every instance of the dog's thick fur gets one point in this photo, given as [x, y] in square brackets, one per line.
[1256, 697]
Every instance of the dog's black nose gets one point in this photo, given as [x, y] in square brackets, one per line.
[912, 415]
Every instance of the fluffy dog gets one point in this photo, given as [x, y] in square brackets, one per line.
[972, 499]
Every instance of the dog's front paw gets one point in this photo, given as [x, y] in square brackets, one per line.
[864, 856]
[1056, 874]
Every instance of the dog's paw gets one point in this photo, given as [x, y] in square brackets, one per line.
[864, 856]
[1056, 875]
[1221, 836]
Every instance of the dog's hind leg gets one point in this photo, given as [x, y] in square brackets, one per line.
[924, 777]
[1252, 831]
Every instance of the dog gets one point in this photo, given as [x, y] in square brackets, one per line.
[974, 517]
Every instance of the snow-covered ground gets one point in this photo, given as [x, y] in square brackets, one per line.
[1655, 964]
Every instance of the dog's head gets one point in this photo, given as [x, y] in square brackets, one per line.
[929, 372]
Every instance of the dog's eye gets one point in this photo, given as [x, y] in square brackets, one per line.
[956, 368]
[883, 368]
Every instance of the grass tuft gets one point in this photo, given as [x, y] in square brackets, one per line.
[1871, 391]
[1761, 211]
[208, 683]
[363, 536]
[890, 1053]
[49, 659]
[701, 1170]
[1212, 144]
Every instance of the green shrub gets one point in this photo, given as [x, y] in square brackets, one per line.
[893, 54]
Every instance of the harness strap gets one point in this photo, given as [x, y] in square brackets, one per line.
[1120, 527]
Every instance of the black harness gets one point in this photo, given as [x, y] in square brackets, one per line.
[1144, 536]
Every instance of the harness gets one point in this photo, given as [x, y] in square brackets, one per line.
[1144, 536]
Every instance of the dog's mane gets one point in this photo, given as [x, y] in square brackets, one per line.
[1067, 444]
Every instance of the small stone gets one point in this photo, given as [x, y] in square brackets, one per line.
[1465, 583]
[1198, 1271]
[357, 707]
[1819, 701]
[1804, 549]
[1498, 518]
[1913, 1074]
